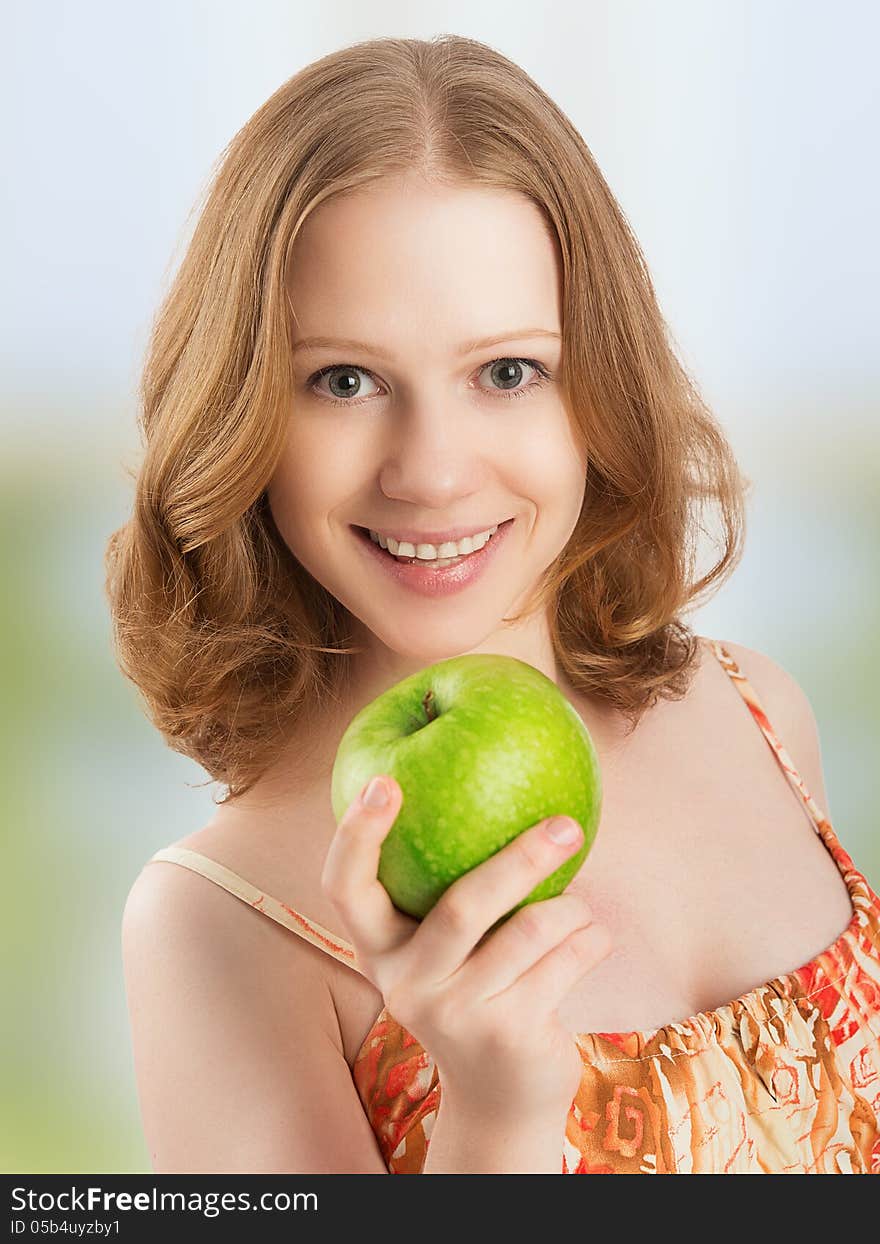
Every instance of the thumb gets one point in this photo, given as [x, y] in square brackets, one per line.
[379, 794]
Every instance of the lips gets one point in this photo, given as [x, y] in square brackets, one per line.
[421, 577]
[423, 561]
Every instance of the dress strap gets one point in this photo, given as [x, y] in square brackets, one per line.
[310, 930]
[748, 693]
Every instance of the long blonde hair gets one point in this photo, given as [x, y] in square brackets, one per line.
[230, 641]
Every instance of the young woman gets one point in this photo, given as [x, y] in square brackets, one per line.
[411, 396]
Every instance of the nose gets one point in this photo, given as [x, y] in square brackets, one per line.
[434, 456]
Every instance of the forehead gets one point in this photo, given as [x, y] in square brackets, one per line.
[405, 258]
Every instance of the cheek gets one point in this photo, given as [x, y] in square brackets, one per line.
[282, 499]
[315, 474]
[551, 470]
[297, 498]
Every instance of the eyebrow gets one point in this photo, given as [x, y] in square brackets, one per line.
[468, 347]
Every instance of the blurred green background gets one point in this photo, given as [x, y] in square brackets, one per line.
[734, 137]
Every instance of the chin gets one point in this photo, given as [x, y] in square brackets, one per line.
[426, 649]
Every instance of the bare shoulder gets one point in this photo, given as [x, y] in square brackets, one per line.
[764, 672]
[172, 911]
[280, 858]
[279, 855]
[788, 710]
[236, 1045]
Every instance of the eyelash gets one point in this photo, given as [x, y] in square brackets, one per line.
[543, 376]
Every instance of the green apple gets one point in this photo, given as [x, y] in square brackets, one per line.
[483, 747]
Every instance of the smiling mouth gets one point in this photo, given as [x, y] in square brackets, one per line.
[433, 579]
[429, 562]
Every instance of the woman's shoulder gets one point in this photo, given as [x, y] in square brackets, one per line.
[212, 984]
[770, 679]
[185, 900]
[786, 706]
[282, 860]
[278, 852]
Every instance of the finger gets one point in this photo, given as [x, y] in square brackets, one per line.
[553, 977]
[474, 902]
[350, 874]
[514, 948]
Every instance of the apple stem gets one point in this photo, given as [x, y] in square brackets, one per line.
[428, 705]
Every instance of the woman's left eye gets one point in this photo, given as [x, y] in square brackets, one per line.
[508, 372]
[504, 372]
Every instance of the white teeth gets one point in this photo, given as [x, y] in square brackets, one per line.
[430, 552]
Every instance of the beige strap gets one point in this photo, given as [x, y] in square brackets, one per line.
[269, 906]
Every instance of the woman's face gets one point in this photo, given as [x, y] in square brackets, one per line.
[418, 429]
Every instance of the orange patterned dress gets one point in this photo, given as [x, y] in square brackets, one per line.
[783, 1080]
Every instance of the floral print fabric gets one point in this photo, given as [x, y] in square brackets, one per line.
[783, 1080]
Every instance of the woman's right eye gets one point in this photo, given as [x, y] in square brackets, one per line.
[342, 383]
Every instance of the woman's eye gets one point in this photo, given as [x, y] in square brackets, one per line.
[505, 375]
[343, 381]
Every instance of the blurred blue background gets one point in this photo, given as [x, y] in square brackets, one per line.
[740, 139]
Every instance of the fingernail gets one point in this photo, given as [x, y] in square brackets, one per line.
[375, 793]
[564, 830]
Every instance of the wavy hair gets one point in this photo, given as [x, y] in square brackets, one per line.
[229, 639]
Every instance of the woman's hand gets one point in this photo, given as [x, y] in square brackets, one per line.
[486, 1013]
